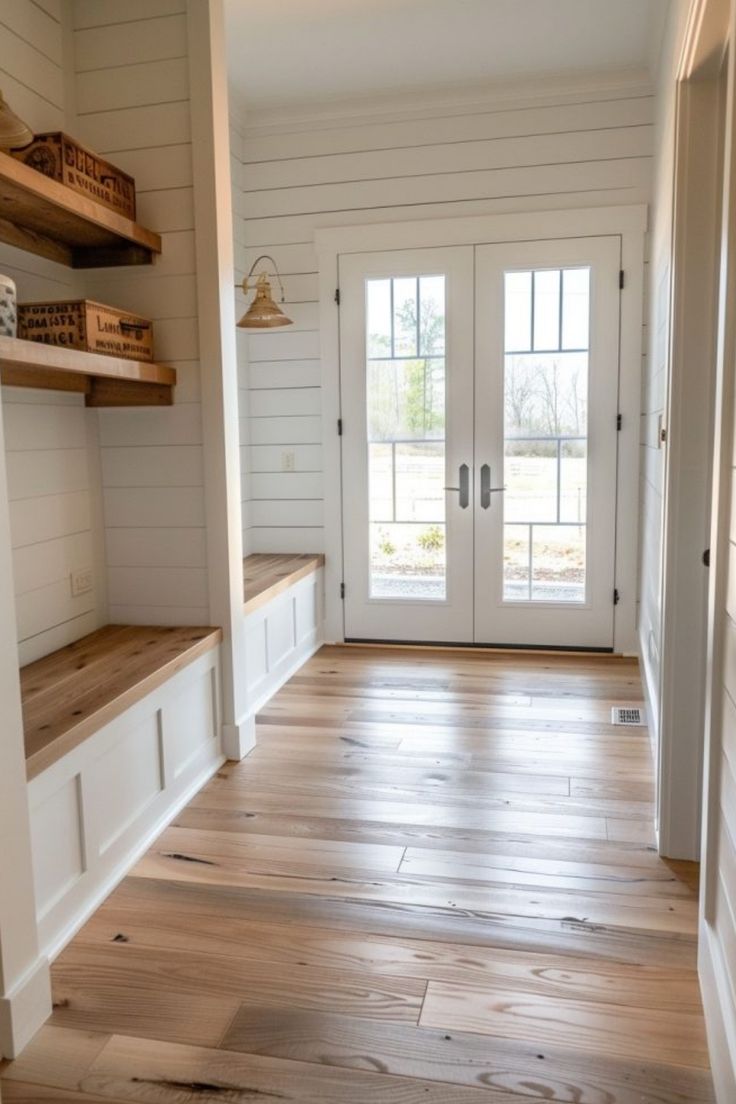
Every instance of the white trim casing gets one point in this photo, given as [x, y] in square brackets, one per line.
[720, 1014]
[630, 222]
[715, 21]
[687, 469]
[25, 986]
[218, 354]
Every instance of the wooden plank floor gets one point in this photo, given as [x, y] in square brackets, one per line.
[433, 880]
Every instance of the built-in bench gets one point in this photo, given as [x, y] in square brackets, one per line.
[284, 619]
[70, 694]
[268, 574]
[121, 728]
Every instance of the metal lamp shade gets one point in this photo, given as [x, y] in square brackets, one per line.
[263, 313]
[13, 131]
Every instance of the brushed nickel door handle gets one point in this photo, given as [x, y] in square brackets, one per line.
[463, 488]
[486, 490]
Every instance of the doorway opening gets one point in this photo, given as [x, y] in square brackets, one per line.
[480, 392]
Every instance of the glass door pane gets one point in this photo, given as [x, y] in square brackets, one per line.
[546, 327]
[406, 437]
[406, 396]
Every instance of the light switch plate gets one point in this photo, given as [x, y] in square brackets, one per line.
[82, 581]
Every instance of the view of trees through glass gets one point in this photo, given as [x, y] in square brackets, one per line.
[545, 400]
[406, 436]
[545, 434]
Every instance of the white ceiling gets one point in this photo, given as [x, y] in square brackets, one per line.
[285, 52]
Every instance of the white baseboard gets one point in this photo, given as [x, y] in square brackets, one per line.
[284, 672]
[651, 691]
[720, 1014]
[24, 1010]
[238, 740]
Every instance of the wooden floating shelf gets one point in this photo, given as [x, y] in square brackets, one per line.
[43, 216]
[104, 380]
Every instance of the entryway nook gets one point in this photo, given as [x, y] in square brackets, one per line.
[367, 618]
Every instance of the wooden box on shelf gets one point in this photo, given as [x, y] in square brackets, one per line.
[45, 217]
[62, 158]
[87, 325]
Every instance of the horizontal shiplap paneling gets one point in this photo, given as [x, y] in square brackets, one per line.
[596, 151]
[50, 438]
[132, 88]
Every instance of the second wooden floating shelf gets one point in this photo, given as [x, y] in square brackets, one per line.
[104, 380]
[45, 217]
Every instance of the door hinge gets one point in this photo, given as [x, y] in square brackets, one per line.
[339, 427]
[619, 421]
[706, 558]
[621, 279]
[337, 296]
[616, 596]
[342, 590]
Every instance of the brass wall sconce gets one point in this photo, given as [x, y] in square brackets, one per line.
[263, 313]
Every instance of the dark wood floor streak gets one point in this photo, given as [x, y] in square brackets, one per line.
[433, 881]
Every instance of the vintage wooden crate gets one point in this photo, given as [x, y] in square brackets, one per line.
[85, 324]
[64, 159]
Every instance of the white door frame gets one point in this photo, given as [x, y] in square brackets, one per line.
[689, 427]
[710, 33]
[630, 222]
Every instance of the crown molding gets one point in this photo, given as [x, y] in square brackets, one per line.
[444, 101]
[705, 38]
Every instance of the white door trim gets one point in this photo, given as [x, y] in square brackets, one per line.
[630, 222]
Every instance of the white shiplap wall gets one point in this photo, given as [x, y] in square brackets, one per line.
[132, 95]
[236, 169]
[580, 150]
[52, 459]
[656, 372]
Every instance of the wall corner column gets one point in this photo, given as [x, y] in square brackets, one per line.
[218, 356]
[25, 986]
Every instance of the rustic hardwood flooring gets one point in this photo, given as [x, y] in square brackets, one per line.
[433, 880]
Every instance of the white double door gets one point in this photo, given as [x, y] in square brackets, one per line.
[479, 394]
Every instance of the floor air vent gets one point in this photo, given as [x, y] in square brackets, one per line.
[628, 715]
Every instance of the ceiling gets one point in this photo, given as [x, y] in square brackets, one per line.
[284, 53]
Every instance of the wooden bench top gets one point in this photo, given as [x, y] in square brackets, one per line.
[70, 694]
[266, 574]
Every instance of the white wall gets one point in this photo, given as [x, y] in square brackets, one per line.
[656, 366]
[120, 490]
[132, 94]
[50, 439]
[241, 301]
[583, 149]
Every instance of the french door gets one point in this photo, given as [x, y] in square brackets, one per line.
[479, 392]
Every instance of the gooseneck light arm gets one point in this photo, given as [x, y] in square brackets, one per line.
[248, 285]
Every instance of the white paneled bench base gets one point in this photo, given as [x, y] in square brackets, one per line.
[284, 611]
[121, 729]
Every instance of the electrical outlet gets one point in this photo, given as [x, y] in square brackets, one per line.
[82, 581]
[288, 460]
